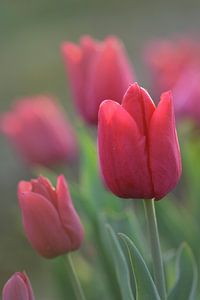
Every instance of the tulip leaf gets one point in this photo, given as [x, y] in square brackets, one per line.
[121, 267]
[145, 287]
[186, 282]
[89, 176]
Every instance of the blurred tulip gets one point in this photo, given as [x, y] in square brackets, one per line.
[97, 71]
[18, 287]
[138, 147]
[40, 132]
[175, 65]
[187, 95]
[168, 60]
[49, 218]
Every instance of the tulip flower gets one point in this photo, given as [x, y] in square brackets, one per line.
[175, 65]
[97, 71]
[50, 221]
[18, 287]
[138, 147]
[169, 59]
[39, 131]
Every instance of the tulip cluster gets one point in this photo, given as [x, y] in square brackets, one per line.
[138, 147]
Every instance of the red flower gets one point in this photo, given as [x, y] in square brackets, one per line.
[97, 71]
[40, 132]
[49, 218]
[18, 287]
[138, 147]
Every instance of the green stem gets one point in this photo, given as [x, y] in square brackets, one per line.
[158, 268]
[74, 278]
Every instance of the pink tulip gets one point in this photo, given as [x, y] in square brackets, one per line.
[40, 132]
[138, 148]
[187, 95]
[50, 221]
[169, 59]
[18, 287]
[97, 71]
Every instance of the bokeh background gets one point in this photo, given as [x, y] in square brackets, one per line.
[30, 63]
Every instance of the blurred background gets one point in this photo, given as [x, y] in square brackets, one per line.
[30, 63]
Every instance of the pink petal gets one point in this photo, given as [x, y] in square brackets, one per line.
[42, 225]
[165, 162]
[123, 153]
[108, 77]
[43, 186]
[16, 289]
[28, 285]
[77, 61]
[140, 106]
[68, 215]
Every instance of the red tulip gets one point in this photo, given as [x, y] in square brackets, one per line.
[49, 218]
[138, 147]
[97, 71]
[18, 287]
[38, 129]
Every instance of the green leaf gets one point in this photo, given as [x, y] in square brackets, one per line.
[121, 267]
[186, 282]
[145, 287]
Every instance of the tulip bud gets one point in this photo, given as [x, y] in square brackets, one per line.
[40, 132]
[18, 287]
[138, 147]
[50, 221]
[97, 71]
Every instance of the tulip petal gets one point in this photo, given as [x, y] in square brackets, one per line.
[68, 215]
[72, 56]
[42, 225]
[77, 60]
[28, 285]
[43, 186]
[109, 76]
[140, 106]
[123, 153]
[164, 149]
[16, 289]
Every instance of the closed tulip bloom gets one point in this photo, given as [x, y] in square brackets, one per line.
[97, 71]
[18, 287]
[50, 221]
[138, 147]
[39, 131]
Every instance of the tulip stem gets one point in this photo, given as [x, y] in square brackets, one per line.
[158, 268]
[74, 278]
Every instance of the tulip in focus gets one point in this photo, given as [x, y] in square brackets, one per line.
[18, 287]
[40, 132]
[138, 147]
[97, 71]
[50, 221]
